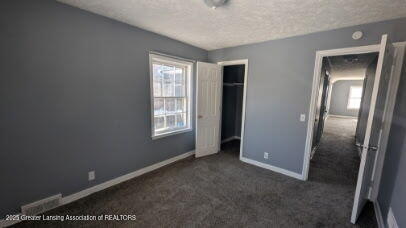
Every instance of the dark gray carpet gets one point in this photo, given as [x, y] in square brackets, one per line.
[221, 191]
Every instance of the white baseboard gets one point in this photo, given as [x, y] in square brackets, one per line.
[378, 214]
[391, 221]
[272, 168]
[230, 139]
[345, 117]
[110, 183]
[107, 184]
[6, 223]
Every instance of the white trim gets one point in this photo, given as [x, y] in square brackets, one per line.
[350, 50]
[6, 223]
[180, 131]
[378, 214]
[230, 139]
[387, 119]
[316, 78]
[400, 44]
[115, 181]
[41, 201]
[391, 219]
[336, 79]
[272, 168]
[76, 196]
[312, 114]
[341, 116]
[188, 66]
[172, 56]
[244, 99]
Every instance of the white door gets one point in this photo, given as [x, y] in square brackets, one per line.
[374, 127]
[208, 108]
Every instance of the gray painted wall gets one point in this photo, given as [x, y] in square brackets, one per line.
[279, 87]
[74, 97]
[339, 98]
[392, 192]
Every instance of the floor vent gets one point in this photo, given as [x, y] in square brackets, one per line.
[41, 206]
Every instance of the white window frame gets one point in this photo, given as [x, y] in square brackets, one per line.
[350, 97]
[155, 58]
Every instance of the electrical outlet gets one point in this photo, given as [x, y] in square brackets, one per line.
[266, 155]
[92, 175]
[302, 117]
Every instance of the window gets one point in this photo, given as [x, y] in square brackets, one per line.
[354, 98]
[170, 95]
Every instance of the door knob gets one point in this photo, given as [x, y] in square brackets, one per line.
[199, 116]
[374, 148]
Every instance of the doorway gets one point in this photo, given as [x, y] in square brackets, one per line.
[335, 159]
[232, 100]
[344, 92]
[220, 106]
[376, 118]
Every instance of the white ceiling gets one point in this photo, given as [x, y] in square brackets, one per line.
[242, 21]
[341, 68]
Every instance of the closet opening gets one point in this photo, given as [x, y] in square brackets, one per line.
[232, 108]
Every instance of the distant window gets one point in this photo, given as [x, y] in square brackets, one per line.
[170, 95]
[354, 98]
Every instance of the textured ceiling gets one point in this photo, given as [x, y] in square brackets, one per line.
[242, 21]
[342, 68]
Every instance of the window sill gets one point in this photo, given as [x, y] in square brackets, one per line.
[163, 135]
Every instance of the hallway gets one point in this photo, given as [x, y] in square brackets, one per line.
[336, 163]
[337, 153]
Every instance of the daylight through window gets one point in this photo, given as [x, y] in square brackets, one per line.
[170, 79]
[354, 99]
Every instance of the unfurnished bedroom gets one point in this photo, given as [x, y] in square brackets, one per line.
[204, 113]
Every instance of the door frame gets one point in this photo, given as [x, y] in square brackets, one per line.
[392, 90]
[316, 79]
[244, 99]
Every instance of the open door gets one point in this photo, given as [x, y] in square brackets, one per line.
[208, 108]
[374, 127]
[321, 110]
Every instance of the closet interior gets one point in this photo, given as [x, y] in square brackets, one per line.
[232, 102]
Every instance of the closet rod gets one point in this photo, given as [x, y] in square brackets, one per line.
[233, 84]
